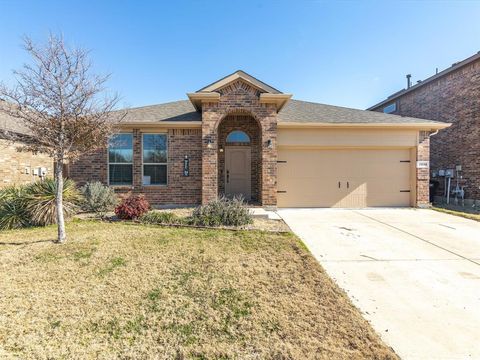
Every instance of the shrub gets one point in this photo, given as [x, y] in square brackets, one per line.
[224, 212]
[34, 204]
[40, 201]
[132, 207]
[161, 217]
[98, 198]
[13, 210]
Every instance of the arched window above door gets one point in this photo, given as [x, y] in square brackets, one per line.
[238, 136]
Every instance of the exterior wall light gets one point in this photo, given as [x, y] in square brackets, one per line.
[209, 143]
[269, 143]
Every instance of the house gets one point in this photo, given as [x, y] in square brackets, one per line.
[241, 137]
[17, 167]
[452, 95]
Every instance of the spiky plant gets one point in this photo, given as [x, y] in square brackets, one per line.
[13, 210]
[41, 203]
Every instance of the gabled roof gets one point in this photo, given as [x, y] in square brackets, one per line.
[452, 68]
[295, 112]
[305, 112]
[211, 93]
[176, 111]
[240, 74]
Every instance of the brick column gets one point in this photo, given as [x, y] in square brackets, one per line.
[209, 155]
[137, 159]
[269, 161]
[423, 175]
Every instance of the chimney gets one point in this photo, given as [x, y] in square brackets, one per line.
[409, 82]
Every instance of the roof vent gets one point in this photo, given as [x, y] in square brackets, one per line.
[409, 82]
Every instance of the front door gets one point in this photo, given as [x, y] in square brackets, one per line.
[237, 171]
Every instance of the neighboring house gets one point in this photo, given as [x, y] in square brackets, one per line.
[240, 136]
[452, 95]
[19, 167]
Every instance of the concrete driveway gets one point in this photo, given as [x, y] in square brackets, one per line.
[414, 274]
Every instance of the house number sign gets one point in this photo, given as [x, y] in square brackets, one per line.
[423, 164]
[186, 166]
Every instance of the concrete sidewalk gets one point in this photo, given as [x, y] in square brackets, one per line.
[414, 274]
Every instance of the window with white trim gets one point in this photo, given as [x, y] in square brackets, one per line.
[120, 159]
[154, 159]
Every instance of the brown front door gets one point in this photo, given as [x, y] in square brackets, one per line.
[237, 171]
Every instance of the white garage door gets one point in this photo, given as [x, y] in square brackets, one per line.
[343, 178]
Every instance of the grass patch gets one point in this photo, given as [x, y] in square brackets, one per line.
[47, 256]
[136, 291]
[463, 214]
[112, 265]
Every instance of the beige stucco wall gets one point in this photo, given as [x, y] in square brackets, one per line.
[355, 138]
[309, 137]
[18, 167]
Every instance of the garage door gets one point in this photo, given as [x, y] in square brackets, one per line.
[343, 178]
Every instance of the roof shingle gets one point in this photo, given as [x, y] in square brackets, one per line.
[294, 111]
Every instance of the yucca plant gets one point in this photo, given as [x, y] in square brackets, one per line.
[13, 210]
[40, 201]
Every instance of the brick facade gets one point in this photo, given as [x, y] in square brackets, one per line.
[19, 167]
[180, 190]
[250, 126]
[238, 98]
[233, 105]
[455, 98]
[423, 175]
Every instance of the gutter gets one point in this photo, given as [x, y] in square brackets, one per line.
[433, 126]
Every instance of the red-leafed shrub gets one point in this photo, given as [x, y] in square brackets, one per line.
[132, 207]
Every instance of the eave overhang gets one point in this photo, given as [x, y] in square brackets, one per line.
[200, 97]
[415, 126]
[280, 100]
[161, 124]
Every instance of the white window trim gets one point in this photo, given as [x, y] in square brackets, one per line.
[117, 163]
[164, 163]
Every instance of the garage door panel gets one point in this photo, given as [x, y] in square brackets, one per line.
[309, 178]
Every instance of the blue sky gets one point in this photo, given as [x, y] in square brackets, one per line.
[348, 53]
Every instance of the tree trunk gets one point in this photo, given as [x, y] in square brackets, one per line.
[62, 236]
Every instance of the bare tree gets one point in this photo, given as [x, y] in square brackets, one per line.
[62, 106]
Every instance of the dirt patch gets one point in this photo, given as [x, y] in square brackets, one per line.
[122, 290]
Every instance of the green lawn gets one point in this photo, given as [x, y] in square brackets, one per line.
[131, 291]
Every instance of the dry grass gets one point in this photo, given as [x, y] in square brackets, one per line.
[467, 215]
[143, 292]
